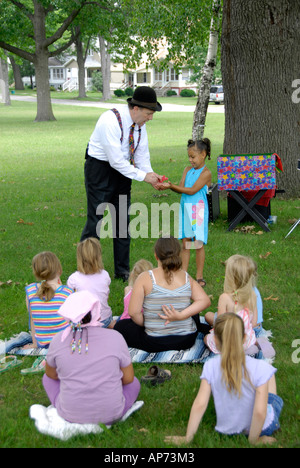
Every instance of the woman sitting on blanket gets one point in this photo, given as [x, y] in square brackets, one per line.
[169, 298]
[89, 375]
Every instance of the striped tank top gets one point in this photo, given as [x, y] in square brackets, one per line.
[47, 322]
[179, 298]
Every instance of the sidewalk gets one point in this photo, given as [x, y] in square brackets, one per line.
[218, 109]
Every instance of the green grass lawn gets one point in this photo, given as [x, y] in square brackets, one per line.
[43, 207]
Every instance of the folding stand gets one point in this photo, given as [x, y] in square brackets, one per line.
[248, 207]
[239, 173]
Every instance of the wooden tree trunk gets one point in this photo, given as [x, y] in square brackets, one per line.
[105, 69]
[208, 73]
[17, 73]
[81, 70]
[44, 106]
[260, 63]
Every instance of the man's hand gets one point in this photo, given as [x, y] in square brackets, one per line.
[153, 179]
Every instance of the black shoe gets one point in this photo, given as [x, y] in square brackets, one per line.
[124, 277]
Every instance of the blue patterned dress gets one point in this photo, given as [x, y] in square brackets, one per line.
[193, 215]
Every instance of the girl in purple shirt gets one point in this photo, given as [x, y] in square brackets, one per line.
[89, 375]
[243, 388]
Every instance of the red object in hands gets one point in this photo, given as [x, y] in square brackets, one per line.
[164, 178]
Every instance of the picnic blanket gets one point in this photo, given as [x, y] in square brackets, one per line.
[48, 422]
[197, 354]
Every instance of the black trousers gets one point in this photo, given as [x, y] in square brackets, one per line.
[136, 337]
[107, 187]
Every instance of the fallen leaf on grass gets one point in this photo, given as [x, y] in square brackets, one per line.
[8, 283]
[266, 255]
[244, 229]
[292, 220]
[21, 221]
[143, 430]
[160, 195]
[271, 298]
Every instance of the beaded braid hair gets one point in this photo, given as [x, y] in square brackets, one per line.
[76, 327]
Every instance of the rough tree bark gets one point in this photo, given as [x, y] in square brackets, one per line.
[17, 73]
[260, 62]
[208, 73]
[81, 57]
[39, 57]
[105, 68]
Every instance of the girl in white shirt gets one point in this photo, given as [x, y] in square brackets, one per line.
[243, 388]
[91, 276]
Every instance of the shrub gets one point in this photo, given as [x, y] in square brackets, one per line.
[119, 92]
[187, 93]
[171, 92]
[129, 91]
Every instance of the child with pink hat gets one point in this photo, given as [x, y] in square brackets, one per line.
[89, 376]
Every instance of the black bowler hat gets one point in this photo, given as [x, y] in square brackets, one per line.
[144, 96]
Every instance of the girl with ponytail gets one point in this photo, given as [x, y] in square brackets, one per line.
[194, 211]
[238, 297]
[171, 302]
[243, 388]
[44, 298]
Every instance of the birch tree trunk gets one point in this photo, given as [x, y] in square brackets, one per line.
[4, 82]
[105, 68]
[208, 73]
[260, 63]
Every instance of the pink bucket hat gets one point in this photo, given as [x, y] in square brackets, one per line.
[76, 307]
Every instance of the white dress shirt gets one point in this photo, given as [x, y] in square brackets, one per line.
[105, 144]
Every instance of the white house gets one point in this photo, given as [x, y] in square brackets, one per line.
[65, 75]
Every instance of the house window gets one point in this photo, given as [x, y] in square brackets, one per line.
[158, 75]
[174, 75]
[58, 73]
[143, 77]
[185, 74]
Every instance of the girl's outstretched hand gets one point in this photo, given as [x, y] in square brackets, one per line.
[265, 440]
[177, 440]
[163, 185]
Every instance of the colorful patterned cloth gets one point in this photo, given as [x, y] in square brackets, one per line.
[246, 172]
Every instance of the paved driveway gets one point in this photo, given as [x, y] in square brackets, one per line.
[213, 108]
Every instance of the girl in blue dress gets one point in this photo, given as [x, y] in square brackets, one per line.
[194, 212]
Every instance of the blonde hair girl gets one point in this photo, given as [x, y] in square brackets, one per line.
[89, 256]
[243, 388]
[47, 269]
[139, 267]
[44, 298]
[91, 276]
[239, 281]
[229, 335]
[238, 297]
